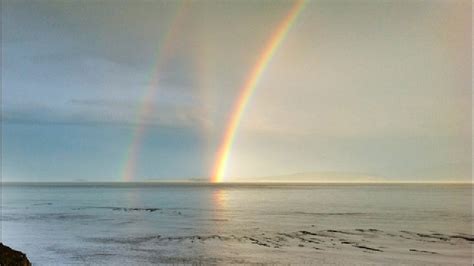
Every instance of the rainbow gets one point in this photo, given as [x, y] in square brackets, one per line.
[248, 88]
[145, 109]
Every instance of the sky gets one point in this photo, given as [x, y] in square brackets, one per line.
[356, 90]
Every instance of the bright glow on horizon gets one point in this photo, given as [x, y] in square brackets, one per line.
[249, 86]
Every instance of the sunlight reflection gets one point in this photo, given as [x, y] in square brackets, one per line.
[219, 201]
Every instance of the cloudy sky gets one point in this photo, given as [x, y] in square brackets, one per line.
[357, 88]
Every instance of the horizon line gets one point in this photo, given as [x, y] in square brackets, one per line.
[235, 182]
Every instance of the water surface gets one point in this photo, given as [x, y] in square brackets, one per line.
[117, 223]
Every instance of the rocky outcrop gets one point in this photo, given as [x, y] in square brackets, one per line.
[10, 257]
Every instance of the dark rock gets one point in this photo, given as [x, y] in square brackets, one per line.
[367, 248]
[10, 257]
[135, 209]
[467, 238]
[308, 233]
[423, 251]
[257, 242]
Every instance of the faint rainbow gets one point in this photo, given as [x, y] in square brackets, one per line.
[145, 109]
[249, 86]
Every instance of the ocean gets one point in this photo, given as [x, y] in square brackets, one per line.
[153, 223]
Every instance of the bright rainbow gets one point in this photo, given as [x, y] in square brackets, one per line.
[248, 88]
[146, 107]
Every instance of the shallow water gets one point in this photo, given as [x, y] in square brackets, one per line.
[170, 223]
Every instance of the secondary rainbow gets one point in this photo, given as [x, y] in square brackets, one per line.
[248, 88]
[145, 109]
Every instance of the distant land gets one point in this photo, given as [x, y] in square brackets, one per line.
[303, 178]
[319, 177]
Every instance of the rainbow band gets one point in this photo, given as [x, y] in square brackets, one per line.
[146, 108]
[249, 87]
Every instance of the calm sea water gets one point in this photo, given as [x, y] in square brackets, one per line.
[147, 223]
